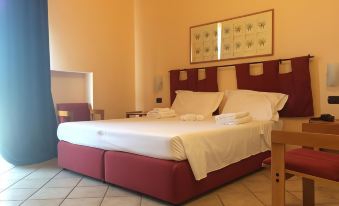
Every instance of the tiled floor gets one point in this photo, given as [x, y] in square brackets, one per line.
[47, 185]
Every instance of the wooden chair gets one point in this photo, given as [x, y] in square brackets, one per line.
[69, 112]
[304, 162]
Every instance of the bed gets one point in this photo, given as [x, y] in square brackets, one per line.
[175, 171]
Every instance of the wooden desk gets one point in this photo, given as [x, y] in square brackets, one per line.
[322, 127]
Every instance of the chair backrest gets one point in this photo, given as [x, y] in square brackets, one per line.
[79, 111]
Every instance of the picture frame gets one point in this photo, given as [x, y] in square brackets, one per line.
[246, 36]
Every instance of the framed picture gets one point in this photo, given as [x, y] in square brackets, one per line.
[240, 37]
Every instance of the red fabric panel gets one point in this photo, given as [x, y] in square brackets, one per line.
[209, 84]
[85, 160]
[177, 84]
[296, 84]
[316, 163]
[170, 181]
[80, 111]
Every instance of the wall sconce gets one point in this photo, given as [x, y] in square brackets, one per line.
[158, 83]
[333, 75]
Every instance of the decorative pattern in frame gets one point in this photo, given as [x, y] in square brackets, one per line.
[240, 37]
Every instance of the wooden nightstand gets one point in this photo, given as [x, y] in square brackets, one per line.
[135, 114]
[322, 127]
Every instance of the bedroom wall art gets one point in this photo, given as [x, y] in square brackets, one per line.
[240, 37]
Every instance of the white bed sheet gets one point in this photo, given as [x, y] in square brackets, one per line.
[206, 145]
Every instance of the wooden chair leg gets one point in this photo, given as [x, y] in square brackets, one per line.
[308, 192]
[278, 174]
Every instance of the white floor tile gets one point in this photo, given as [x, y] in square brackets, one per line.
[44, 173]
[116, 191]
[121, 201]
[82, 202]
[16, 194]
[89, 182]
[52, 193]
[52, 202]
[63, 182]
[67, 174]
[80, 192]
[10, 203]
[30, 183]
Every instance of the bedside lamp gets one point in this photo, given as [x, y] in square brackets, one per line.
[333, 81]
[333, 75]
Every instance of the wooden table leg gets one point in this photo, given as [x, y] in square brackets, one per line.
[308, 192]
[278, 174]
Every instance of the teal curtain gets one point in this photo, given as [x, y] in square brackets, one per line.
[27, 117]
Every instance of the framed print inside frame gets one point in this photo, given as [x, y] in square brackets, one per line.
[240, 37]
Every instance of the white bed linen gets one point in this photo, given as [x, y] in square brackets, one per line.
[206, 145]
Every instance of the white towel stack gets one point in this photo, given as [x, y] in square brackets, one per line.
[160, 113]
[233, 118]
[192, 117]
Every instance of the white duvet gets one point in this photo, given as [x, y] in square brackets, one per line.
[206, 145]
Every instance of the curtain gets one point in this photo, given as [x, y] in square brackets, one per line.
[27, 117]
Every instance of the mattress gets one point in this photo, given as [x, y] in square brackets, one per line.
[206, 145]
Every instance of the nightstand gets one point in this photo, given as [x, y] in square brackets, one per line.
[135, 114]
[322, 127]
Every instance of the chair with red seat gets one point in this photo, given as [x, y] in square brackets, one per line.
[309, 164]
[69, 112]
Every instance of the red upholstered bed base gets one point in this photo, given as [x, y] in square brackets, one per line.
[170, 181]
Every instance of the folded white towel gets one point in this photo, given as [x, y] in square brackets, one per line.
[232, 116]
[242, 120]
[192, 117]
[162, 109]
[161, 114]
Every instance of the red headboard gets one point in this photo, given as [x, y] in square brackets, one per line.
[296, 84]
[209, 84]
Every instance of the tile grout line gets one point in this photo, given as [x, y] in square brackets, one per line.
[6, 188]
[104, 195]
[39, 187]
[71, 190]
[220, 199]
[253, 194]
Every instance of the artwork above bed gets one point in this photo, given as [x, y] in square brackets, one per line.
[240, 37]
[296, 84]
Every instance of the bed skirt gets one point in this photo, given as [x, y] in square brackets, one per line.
[170, 181]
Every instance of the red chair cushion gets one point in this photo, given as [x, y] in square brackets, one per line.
[80, 111]
[315, 163]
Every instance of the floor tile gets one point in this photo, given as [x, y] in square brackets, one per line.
[67, 174]
[82, 202]
[52, 202]
[233, 187]
[51, 193]
[321, 197]
[239, 199]
[206, 200]
[257, 186]
[121, 201]
[116, 191]
[30, 183]
[266, 199]
[89, 182]
[16, 194]
[44, 173]
[79, 192]
[10, 203]
[146, 201]
[63, 182]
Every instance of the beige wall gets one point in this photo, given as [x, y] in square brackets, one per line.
[127, 44]
[98, 37]
[301, 27]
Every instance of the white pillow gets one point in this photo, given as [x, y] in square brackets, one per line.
[204, 103]
[261, 105]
